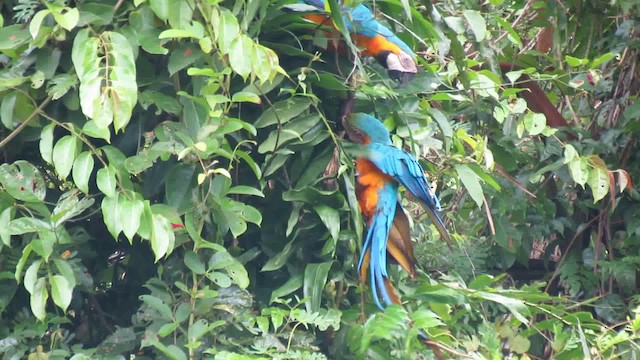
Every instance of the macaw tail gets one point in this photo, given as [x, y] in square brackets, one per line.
[399, 244]
[388, 287]
[437, 221]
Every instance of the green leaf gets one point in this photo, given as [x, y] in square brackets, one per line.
[291, 132]
[599, 180]
[25, 225]
[512, 34]
[238, 273]
[106, 180]
[283, 111]
[315, 278]
[60, 85]
[471, 182]
[158, 305]
[64, 154]
[579, 169]
[278, 260]
[179, 187]
[31, 276]
[66, 270]
[519, 344]
[442, 121]
[476, 23]
[69, 205]
[602, 59]
[5, 218]
[570, 153]
[534, 123]
[82, 169]
[90, 128]
[228, 30]
[245, 190]
[112, 103]
[110, 215]
[193, 262]
[131, 213]
[240, 51]
[330, 218]
[166, 103]
[22, 181]
[162, 237]
[12, 37]
[46, 143]
[575, 62]
[515, 306]
[39, 298]
[245, 96]
[96, 14]
[182, 57]
[293, 284]
[61, 291]
[219, 279]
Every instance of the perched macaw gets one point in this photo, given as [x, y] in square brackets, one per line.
[381, 168]
[373, 38]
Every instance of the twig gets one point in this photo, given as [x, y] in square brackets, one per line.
[489, 216]
[515, 182]
[432, 344]
[20, 127]
[117, 5]
[566, 251]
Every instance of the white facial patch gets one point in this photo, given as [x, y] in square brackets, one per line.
[401, 62]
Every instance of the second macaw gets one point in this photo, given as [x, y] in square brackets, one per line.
[381, 169]
[375, 39]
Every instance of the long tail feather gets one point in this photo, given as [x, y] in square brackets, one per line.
[399, 243]
[437, 221]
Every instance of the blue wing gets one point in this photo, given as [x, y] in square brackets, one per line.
[405, 169]
[360, 20]
[376, 244]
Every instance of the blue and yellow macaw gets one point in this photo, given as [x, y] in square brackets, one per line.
[373, 38]
[381, 169]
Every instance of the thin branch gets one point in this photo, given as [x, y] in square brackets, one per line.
[566, 251]
[20, 127]
[489, 216]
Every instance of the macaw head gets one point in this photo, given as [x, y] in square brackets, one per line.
[401, 66]
[364, 129]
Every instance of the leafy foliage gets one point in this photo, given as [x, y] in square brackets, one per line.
[175, 183]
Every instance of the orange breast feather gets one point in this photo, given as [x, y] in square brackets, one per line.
[371, 46]
[370, 180]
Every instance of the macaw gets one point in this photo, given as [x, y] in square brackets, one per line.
[373, 38]
[381, 168]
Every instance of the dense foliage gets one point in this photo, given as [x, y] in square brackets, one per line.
[175, 183]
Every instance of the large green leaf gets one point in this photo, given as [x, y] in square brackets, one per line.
[64, 154]
[108, 88]
[471, 182]
[82, 169]
[61, 291]
[22, 181]
[315, 278]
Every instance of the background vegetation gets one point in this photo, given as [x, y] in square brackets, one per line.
[165, 189]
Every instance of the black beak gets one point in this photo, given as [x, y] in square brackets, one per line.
[403, 77]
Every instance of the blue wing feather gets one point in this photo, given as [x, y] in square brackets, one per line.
[360, 20]
[403, 167]
[376, 243]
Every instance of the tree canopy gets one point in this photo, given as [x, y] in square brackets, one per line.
[176, 183]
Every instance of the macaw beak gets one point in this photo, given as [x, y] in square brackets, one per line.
[402, 77]
[401, 67]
